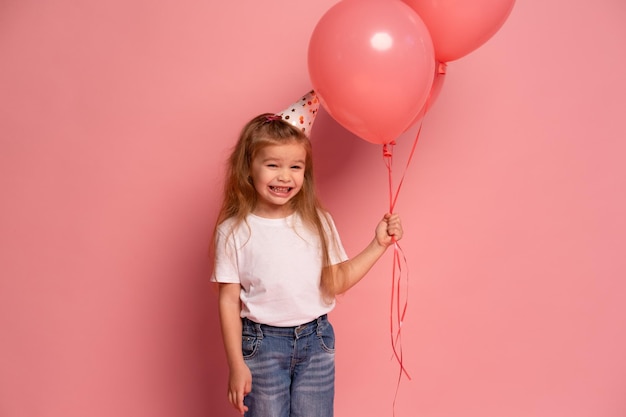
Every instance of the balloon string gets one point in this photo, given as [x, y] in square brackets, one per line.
[398, 309]
[399, 304]
[388, 156]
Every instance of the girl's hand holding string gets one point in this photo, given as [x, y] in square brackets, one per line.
[347, 274]
[389, 230]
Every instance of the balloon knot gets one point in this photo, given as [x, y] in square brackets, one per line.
[442, 68]
[387, 151]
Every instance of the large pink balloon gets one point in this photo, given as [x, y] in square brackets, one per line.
[372, 65]
[458, 27]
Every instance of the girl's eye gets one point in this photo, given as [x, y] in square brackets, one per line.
[296, 167]
[272, 165]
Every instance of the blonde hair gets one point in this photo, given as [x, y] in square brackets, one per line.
[240, 196]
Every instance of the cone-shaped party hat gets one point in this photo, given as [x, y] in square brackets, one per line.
[302, 113]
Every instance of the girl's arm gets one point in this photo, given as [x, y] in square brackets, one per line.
[350, 272]
[240, 378]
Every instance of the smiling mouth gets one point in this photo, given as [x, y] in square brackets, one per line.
[280, 189]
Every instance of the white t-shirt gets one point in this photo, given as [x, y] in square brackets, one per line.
[278, 263]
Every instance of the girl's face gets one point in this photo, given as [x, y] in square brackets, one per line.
[277, 173]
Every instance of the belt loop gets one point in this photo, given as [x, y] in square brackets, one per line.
[259, 331]
[320, 319]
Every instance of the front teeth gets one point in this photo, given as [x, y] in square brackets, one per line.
[280, 189]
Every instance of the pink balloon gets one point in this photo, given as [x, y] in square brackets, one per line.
[372, 64]
[458, 27]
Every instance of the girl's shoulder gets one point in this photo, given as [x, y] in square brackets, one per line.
[227, 224]
[326, 218]
[231, 226]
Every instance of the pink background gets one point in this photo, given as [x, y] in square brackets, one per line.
[115, 119]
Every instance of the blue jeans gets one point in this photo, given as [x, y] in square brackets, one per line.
[293, 369]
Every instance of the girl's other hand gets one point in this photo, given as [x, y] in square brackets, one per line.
[239, 385]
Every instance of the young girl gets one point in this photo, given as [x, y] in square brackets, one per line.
[279, 263]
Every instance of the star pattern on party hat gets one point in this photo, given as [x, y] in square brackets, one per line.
[302, 113]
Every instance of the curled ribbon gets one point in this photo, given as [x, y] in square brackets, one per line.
[399, 303]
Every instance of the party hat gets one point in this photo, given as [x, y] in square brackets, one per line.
[301, 114]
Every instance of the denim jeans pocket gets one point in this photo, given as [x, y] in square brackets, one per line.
[326, 336]
[249, 344]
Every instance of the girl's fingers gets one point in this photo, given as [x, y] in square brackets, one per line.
[394, 226]
[236, 399]
[240, 405]
[242, 408]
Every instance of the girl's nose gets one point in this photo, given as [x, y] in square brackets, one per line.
[284, 175]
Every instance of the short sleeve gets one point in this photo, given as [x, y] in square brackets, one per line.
[226, 268]
[336, 250]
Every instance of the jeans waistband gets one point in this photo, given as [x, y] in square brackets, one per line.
[292, 331]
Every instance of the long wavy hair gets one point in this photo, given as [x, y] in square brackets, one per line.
[240, 196]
